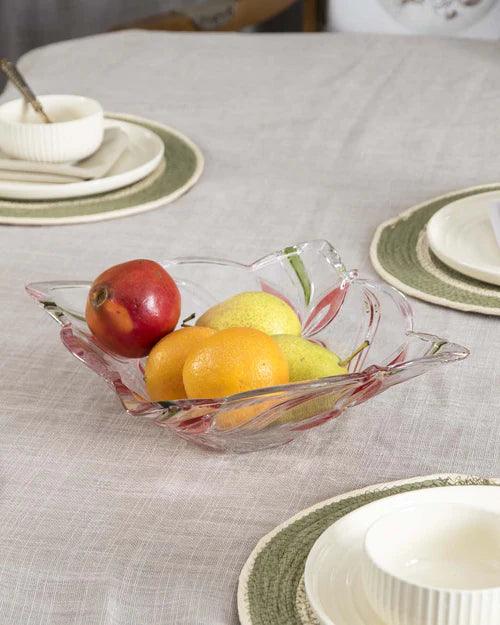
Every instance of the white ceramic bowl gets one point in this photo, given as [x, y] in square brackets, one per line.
[76, 133]
[434, 564]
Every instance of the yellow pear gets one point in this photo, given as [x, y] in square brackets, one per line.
[307, 360]
[253, 309]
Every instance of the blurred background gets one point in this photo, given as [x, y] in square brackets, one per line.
[26, 24]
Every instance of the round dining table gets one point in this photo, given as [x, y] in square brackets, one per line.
[108, 519]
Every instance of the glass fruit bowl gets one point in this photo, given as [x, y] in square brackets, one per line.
[337, 309]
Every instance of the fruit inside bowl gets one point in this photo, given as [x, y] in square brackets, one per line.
[260, 352]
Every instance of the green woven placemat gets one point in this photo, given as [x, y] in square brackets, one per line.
[400, 253]
[271, 590]
[178, 172]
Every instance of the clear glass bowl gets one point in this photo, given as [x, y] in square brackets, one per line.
[337, 309]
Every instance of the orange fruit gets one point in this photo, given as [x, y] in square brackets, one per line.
[232, 361]
[229, 419]
[163, 372]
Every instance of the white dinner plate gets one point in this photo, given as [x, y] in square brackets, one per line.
[461, 235]
[142, 155]
[332, 573]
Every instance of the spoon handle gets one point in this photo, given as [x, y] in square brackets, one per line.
[14, 75]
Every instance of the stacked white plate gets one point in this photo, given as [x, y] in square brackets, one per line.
[142, 155]
[333, 574]
[462, 235]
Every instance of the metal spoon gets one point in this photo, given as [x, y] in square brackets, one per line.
[15, 76]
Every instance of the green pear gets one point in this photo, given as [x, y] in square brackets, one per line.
[309, 408]
[307, 360]
[253, 309]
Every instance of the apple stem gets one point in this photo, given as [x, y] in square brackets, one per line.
[184, 323]
[346, 361]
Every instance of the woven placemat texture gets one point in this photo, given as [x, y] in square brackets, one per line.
[401, 255]
[178, 172]
[271, 589]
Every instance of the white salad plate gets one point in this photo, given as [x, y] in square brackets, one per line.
[141, 157]
[332, 573]
[461, 235]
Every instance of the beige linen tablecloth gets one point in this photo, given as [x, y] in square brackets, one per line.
[107, 519]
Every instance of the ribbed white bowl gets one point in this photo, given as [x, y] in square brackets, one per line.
[434, 564]
[76, 133]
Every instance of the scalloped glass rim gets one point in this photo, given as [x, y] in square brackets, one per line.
[333, 304]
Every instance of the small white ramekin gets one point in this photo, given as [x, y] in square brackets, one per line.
[434, 564]
[76, 133]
